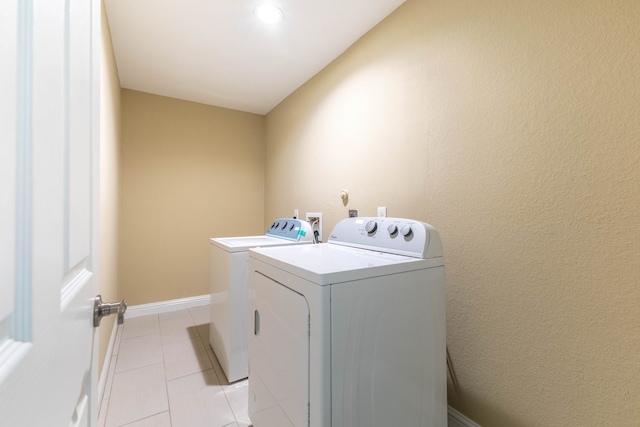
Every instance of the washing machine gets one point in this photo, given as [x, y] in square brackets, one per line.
[229, 310]
[350, 332]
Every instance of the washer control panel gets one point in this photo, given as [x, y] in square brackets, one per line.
[295, 230]
[392, 235]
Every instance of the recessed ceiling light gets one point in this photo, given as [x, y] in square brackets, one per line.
[269, 13]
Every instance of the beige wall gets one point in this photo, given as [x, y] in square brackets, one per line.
[109, 165]
[512, 126]
[188, 172]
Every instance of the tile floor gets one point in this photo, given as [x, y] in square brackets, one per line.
[164, 373]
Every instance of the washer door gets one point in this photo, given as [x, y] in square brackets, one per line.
[278, 355]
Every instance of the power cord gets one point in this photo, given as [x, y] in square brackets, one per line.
[452, 373]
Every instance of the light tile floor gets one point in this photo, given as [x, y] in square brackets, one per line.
[164, 373]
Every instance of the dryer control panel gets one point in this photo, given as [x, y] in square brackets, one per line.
[399, 236]
[295, 230]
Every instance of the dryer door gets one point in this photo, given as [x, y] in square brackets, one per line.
[278, 355]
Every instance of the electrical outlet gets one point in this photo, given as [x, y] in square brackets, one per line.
[353, 213]
[295, 213]
[315, 219]
[382, 211]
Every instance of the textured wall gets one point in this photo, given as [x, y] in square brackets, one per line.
[512, 126]
[188, 172]
[109, 165]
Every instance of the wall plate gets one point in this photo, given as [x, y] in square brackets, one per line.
[315, 219]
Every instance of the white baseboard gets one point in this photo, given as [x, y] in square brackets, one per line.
[166, 306]
[456, 419]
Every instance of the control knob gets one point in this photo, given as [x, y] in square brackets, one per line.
[392, 229]
[284, 225]
[406, 230]
[371, 227]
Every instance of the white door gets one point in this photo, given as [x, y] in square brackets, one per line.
[48, 196]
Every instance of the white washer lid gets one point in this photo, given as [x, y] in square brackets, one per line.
[327, 263]
[244, 243]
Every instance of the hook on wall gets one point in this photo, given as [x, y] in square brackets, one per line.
[345, 197]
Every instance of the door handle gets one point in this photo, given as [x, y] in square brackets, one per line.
[256, 322]
[102, 309]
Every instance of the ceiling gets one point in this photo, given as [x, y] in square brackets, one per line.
[217, 52]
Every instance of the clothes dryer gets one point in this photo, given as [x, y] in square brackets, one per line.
[350, 332]
[229, 256]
